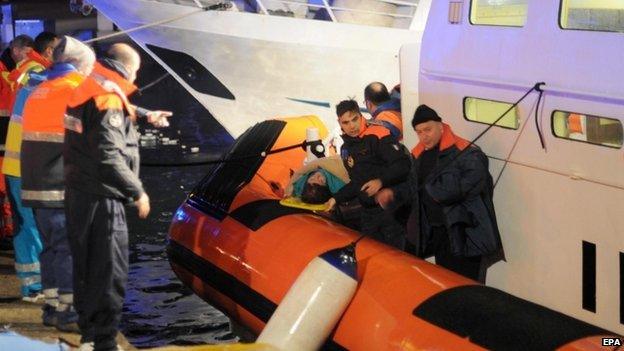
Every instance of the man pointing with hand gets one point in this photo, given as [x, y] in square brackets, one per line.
[102, 175]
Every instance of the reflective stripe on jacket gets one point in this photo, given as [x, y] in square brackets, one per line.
[11, 164]
[43, 133]
[19, 77]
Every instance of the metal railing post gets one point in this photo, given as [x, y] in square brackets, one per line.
[329, 11]
[262, 8]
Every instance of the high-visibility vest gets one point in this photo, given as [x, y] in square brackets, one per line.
[5, 105]
[11, 163]
[19, 78]
[43, 133]
[5, 91]
[20, 75]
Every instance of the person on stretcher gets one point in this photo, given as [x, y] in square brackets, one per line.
[316, 182]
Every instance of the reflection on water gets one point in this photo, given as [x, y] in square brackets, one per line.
[159, 310]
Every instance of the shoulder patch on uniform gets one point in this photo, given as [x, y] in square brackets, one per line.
[108, 101]
[115, 120]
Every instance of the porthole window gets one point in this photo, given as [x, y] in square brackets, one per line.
[488, 111]
[587, 128]
[598, 15]
[510, 13]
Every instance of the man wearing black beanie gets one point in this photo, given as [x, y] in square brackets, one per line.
[450, 192]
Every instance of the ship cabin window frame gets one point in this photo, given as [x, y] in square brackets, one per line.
[564, 14]
[604, 144]
[476, 22]
[509, 104]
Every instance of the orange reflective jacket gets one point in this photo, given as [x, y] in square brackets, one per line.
[5, 91]
[43, 134]
[19, 76]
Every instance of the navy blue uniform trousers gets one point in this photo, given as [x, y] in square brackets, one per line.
[98, 236]
[56, 258]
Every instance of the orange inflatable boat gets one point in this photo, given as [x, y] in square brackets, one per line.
[238, 248]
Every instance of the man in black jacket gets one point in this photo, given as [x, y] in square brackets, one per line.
[101, 154]
[450, 193]
[374, 159]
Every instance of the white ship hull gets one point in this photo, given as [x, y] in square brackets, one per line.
[267, 61]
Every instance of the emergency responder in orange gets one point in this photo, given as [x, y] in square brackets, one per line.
[384, 108]
[101, 174]
[43, 185]
[17, 50]
[6, 227]
[27, 242]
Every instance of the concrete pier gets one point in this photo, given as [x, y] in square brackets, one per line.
[24, 317]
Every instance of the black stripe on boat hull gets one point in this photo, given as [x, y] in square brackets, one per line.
[497, 320]
[256, 214]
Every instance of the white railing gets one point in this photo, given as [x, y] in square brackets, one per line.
[267, 7]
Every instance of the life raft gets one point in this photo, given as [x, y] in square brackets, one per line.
[234, 244]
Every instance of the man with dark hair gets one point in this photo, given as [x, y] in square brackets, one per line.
[384, 109]
[45, 43]
[450, 193]
[374, 159]
[20, 46]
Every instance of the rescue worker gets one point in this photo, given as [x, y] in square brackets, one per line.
[6, 227]
[374, 159]
[452, 214]
[16, 51]
[384, 109]
[43, 179]
[27, 242]
[101, 175]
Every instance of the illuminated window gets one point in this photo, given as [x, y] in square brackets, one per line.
[488, 111]
[600, 15]
[588, 129]
[511, 13]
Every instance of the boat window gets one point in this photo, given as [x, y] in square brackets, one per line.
[510, 13]
[488, 111]
[599, 15]
[586, 128]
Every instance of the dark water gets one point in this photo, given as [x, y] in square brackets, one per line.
[159, 310]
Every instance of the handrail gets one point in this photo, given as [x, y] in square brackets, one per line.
[262, 8]
[330, 11]
[329, 8]
[325, 5]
